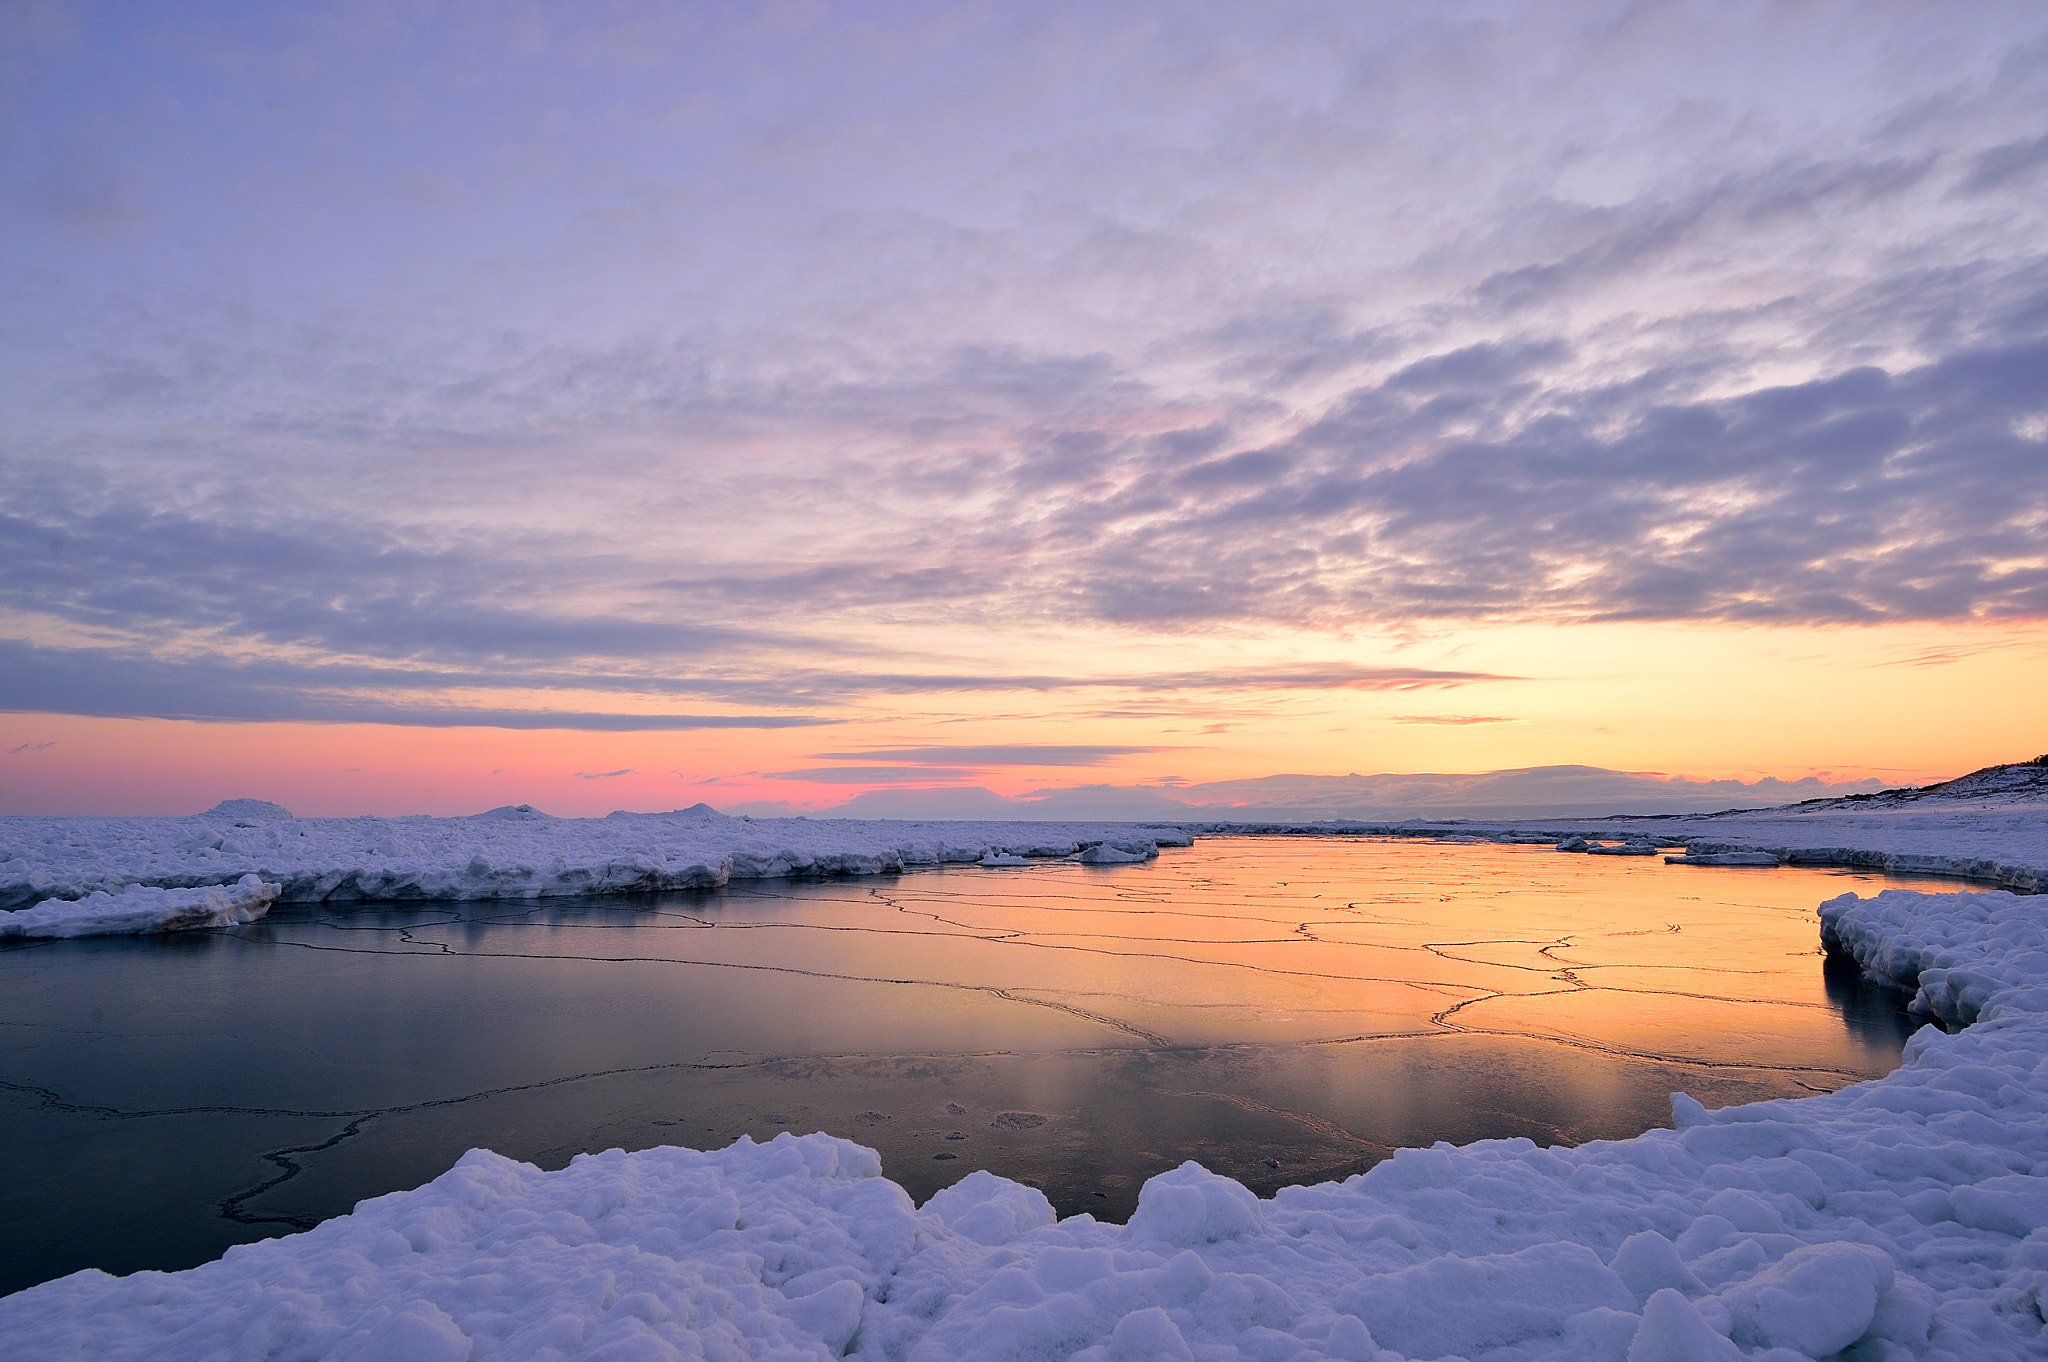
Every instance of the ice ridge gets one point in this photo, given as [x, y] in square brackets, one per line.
[139, 909]
[515, 852]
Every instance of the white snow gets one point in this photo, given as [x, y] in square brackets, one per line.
[137, 909]
[510, 853]
[1901, 1218]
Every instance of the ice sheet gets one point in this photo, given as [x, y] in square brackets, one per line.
[1906, 1217]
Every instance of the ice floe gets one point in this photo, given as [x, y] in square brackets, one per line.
[137, 909]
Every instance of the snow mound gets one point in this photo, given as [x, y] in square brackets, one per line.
[1959, 952]
[137, 910]
[248, 812]
[514, 852]
[1902, 1218]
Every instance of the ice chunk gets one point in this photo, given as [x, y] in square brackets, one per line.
[1191, 1205]
[1632, 847]
[137, 910]
[1102, 853]
[990, 1210]
[1816, 1300]
[2016, 1205]
[1647, 1263]
[1427, 1310]
[1147, 1335]
[418, 1331]
[1673, 1331]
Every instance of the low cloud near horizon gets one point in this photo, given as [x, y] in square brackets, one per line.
[1535, 792]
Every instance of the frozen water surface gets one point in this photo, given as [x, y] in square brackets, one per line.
[1282, 1011]
[277, 1067]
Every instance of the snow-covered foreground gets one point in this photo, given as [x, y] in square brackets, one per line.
[510, 853]
[1898, 1218]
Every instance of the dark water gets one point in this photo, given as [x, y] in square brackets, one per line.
[1281, 1010]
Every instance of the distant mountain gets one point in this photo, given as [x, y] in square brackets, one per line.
[1526, 792]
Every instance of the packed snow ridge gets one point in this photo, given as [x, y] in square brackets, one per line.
[1902, 1218]
[138, 909]
[515, 852]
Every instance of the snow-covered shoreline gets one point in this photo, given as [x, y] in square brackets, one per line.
[511, 853]
[136, 909]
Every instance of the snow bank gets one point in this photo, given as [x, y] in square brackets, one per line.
[510, 853]
[1958, 951]
[137, 909]
[1903, 1218]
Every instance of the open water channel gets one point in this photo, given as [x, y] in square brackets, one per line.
[1282, 1010]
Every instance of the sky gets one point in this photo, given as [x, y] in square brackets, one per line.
[792, 406]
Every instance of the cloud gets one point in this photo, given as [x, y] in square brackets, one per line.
[19, 748]
[1453, 720]
[1860, 496]
[1329, 676]
[1528, 792]
[128, 682]
[603, 775]
[1994, 168]
[112, 684]
[876, 775]
[1012, 754]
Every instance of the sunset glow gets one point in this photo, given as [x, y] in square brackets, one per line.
[430, 409]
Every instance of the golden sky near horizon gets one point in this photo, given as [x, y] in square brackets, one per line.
[1846, 705]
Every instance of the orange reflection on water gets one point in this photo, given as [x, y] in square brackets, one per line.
[1317, 940]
